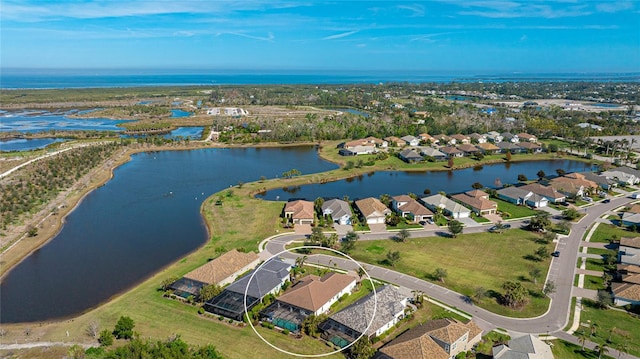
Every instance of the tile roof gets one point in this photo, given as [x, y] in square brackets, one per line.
[524, 347]
[631, 278]
[634, 209]
[450, 150]
[468, 148]
[460, 137]
[475, 202]
[337, 207]
[415, 208]
[629, 268]
[372, 207]
[545, 191]
[438, 200]
[577, 179]
[432, 152]
[418, 342]
[626, 291]
[222, 267]
[488, 146]
[270, 276]
[526, 136]
[402, 198]
[631, 217]
[358, 315]
[633, 242]
[301, 209]
[312, 292]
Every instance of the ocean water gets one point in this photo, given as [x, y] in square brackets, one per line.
[100, 78]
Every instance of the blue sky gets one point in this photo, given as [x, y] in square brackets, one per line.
[435, 35]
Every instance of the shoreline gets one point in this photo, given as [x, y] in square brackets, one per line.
[106, 173]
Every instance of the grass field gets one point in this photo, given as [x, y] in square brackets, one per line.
[595, 264]
[489, 266]
[563, 349]
[593, 282]
[620, 326]
[605, 232]
[514, 210]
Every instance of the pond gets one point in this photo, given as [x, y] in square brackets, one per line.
[27, 144]
[144, 218]
[375, 184]
[40, 121]
[179, 114]
[351, 111]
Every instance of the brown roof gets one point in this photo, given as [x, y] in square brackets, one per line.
[488, 146]
[575, 178]
[300, 209]
[222, 267]
[633, 242]
[402, 198]
[468, 148]
[418, 342]
[626, 290]
[450, 150]
[355, 143]
[425, 137]
[629, 268]
[312, 292]
[544, 191]
[526, 136]
[416, 208]
[631, 278]
[634, 209]
[460, 137]
[476, 193]
[475, 202]
[369, 206]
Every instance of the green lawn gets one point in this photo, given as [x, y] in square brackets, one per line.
[625, 327]
[514, 210]
[605, 232]
[593, 282]
[595, 264]
[600, 251]
[363, 289]
[471, 261]
[563, 349]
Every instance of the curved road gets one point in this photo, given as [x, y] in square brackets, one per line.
[561, 271]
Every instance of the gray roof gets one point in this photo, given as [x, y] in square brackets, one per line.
[336, 207]
[524, 347]
[508, 146]
[628, 170]
[514, 192]
[432, 152]
[357, 315]
[410, 154]
[438, 200]
[408, 138]
[268, 277]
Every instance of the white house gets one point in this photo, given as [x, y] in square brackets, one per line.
[449, 207]
[411, 140]
[339, 210]
[374, 211]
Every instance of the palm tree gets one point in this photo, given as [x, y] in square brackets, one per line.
[593, 327]
[602, 349]
[622, 347]
[582, 338]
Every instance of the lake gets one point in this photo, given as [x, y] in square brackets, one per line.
[144, 218]
[179, 114]
[27, 144]
[39, 121]
[375, 184]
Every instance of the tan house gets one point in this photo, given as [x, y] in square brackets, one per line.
[395, 141]
[425, 137]
[299, 212]
[572, 184]
[531, 147]
[461, 139]
[478, 201]
[436, 339]
[373, 211]
[527, 137]
[410, 208]
[488, 148]
[221, 271]
[547, 192]
[469, 150]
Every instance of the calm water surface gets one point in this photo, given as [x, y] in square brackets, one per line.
[395, 183]
[26, 144]
[39, 121]
[146, 217]
[179, 114]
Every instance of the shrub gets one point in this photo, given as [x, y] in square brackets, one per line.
[220, 318]
[124, 328]
[230, 321]
[106, 338]
[285, 331]
[201, 310]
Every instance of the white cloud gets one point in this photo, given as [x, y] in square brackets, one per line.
[339, 36]
[614, 6]
[416, 10]
[269, 36]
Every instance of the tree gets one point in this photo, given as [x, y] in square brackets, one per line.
[440, 274]
[385, 199]
[361, 272]
[582, 338]
[549, 288]
[570, 214]
[593, 328]
[316, 236]
[106, 338]
[604, 299]
[515, 294]
[317, 203]
[362, 349]
[553, 147]
[124, 328]
[329, 242]
[349, 242]
[540, 222]
[522, 178]
[403, 235]
[508, 156]
[602, 349]
[541, 174]
[393, 219]
[209, 291]
[542, 253]
[535, 273]
[479, 294]
[393, 257]
[426, 191]
[548, 237]
[311, 323]
[561, 172]
[477, 185]
[450, 162]
[168, 282]
[93, 329]
[32, 231]
[455, 228]
[622, 347]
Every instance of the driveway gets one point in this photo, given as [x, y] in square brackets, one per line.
[342, 229]
[494, 218]
[378, 228]
[302, 229]
[554, 212]
[468, 222]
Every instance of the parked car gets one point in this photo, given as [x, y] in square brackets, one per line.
[588, 199]
[556, 254]
[422, 223]
[499, 227]
[606, 200]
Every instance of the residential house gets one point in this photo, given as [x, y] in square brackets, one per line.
[451, 151]
[478, 138]
[602, 181]
[395, 141]
[299, 212]
[488, 148]
[410, 155]
[524, 347]
[627, 289]
[373, 211]
[311, 295]
[629, 251]
[529, 147]
[444, 140]
[433, 153]
[376, 141]
[220, 271]
[623, 175]
[573, 184]
[426, 138]
[339, 210]
[357, 150]
[520, 196]
[383, 312]
[435, 339]
[508, 147]
[478, 201]
[494, 137]
[510, 137]
[448, 207]
[630, 219]
[461, 139]
[411, 140]
[469, 150]
[266, 279]
[550, 193]
[523, 136]
[410, 208]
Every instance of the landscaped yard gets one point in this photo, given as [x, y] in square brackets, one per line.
[514, 210]
[620, 326]
[593, 282]
[595, 264]
[472, 260]
[605, 232]
[563, 349]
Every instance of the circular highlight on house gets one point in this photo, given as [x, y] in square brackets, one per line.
[310, 296]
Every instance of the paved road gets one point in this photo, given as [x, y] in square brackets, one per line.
[562, 272]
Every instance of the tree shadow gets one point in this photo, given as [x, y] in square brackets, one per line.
[531, 257]
[443, 234]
